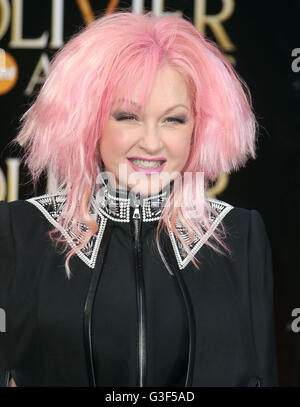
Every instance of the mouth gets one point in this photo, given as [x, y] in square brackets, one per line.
[147, 166]
[145, 163]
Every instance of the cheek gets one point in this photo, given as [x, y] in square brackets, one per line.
[180, 147]
[114, 144]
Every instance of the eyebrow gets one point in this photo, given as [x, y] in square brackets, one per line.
[166, 111]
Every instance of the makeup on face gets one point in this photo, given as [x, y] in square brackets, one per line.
[148, 147]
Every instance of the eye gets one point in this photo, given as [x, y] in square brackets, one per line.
[176, 119]
[125, 117]
[131, 117]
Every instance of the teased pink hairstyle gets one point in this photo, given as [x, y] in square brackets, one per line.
[61, 130]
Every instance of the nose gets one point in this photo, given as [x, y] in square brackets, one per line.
[151, 141]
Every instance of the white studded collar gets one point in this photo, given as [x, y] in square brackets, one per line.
[118, 209]
[221, 208]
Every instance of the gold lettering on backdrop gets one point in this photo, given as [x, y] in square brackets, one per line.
[11, 186]
[13, 165]
[39, 74]
[17, 30]
[2, 186]
[201, 20]
[112, 5]
[52, 183]
[219, 186]
[57, 23]
[158, 7]
[137, 7]
[230, 59]
[2, 320]
[86, 11]
[4, 17]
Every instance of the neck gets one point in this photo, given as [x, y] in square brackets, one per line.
[117, 204]
[130, 194]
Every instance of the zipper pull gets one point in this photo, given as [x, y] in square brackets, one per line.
[136, 212]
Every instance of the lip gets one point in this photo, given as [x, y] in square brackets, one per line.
[147, 170]
[147, 159]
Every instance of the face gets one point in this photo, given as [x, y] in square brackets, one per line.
[146, 150]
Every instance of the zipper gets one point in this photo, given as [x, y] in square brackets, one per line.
[140, 293]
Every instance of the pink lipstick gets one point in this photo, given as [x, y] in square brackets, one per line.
[147, 171]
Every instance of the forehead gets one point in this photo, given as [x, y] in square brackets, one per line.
[168, 88]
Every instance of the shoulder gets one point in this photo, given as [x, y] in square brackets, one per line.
[44, 203]
[244, 227]
[231, 216]
[17, 212]
[250, 259]
[237, 227]
[16, 208]
[28, 216]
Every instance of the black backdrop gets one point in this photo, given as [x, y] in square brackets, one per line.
[263, 41]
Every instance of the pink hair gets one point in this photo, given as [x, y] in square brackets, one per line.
[61, 130]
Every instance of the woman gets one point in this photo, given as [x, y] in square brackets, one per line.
[127, 274]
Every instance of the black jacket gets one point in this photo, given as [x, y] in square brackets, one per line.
[126, 318]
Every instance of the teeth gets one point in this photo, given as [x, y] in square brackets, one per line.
[147, 164]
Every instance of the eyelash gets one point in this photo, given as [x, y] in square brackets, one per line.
[126, 117]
